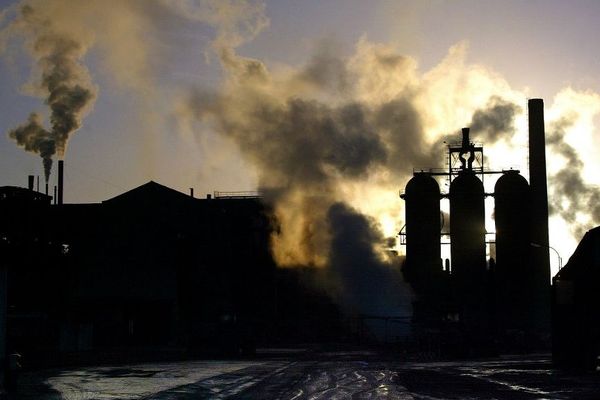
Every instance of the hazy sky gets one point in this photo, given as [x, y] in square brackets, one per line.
[132, 132]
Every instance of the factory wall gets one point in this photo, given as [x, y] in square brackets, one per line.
[576, 307]
[151, 267]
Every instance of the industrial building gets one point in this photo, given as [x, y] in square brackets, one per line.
[157, 268]
[152, 268]
[480, 301]
[576, 307]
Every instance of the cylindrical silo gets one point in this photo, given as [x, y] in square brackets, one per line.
[513, 269]
[423, 257]
[467, 245]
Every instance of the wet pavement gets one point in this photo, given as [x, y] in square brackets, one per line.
[341, 375]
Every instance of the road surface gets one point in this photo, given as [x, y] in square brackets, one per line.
[342, 375]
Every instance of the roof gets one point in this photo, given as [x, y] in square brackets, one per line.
[150, 191]
[585, 261]
[20, 194]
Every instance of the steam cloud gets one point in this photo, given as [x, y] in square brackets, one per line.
[571, 194]
[314, 142]
[304, 148]
[64, 84]
[368, 284]
[496, 121]
[324, 139]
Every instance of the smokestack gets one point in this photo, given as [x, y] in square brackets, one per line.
[30, 180]
[465, 138]
[540, 257]
[46, 188]
[38, 184]
[55, 195]
[60, 180]
[191, 192]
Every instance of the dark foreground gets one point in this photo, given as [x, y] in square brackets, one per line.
[325, 375]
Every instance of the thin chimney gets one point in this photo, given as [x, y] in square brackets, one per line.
[55, 195]
[191, 192]
[60, 180]
[30, 182]
[540, 257]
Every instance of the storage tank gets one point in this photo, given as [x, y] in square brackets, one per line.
[513, 269]
[467, 235]
[423, 257]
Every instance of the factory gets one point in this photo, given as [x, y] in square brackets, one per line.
[576, 306]
[157, 268]
[149, 269]
[481, 300]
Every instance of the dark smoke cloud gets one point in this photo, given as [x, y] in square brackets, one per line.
[400, 126]
[496, 121]
[571, 194]
[299, 142]
[63, 83]
[307, 139]
[304, 140]
[33, 137]
[304, 148]
[323, 135]
[311, 133]
[367, 284]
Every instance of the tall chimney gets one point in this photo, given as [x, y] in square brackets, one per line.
[60, 180]
[30, 180]
[55, 202]
[540, 256]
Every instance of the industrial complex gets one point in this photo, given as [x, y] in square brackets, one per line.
[156, 268]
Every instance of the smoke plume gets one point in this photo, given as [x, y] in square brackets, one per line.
[338, 129]
[332, 142]
[571, 194]
[369, 284]
[134, 44]
[496, 121]
[60, 79]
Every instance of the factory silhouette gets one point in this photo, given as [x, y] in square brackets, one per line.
[503, 300]
[504, 303]
[152, 267]
[157, 269]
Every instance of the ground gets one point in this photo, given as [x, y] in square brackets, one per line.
[323, 375]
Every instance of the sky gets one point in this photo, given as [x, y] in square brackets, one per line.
[197, 94]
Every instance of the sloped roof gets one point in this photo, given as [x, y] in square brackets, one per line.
[19, 193]
[585, 261]
[150, 191]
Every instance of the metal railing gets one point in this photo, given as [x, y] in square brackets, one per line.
[238, 195]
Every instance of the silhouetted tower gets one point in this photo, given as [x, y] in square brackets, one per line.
[467, 231]
[423, 266]
[513, 274]
[61, 165]
[540, 256]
